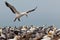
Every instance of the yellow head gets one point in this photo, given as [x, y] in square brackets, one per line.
[0, 30]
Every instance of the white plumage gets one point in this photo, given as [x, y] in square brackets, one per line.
[46, 38]
[18, 14]
[15, 38]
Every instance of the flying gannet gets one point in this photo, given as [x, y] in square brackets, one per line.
[18, 14]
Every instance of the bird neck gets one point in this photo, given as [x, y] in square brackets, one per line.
[16, 37]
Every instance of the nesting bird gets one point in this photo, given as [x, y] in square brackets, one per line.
[16, 37]
[2, 35]
[18, 14]
[24, 28]
[48, 36]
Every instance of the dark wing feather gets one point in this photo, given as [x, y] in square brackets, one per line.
[11, 7]
[31, 10]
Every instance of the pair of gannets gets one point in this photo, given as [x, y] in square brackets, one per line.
[50, 34]
[18, 14]
[16, 36]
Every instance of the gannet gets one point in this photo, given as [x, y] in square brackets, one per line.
[2, 34]
[16, 37]
[24, 28]
[18, 14]
[48, 36]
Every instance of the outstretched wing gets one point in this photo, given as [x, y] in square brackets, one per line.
[11, 7]
[31, 10]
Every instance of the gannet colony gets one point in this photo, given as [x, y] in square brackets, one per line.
[29, 33]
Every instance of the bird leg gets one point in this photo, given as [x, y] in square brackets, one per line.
[15, 19]
[18, 19]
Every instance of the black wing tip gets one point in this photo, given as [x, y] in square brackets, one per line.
[36, 7]
[6, 3]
